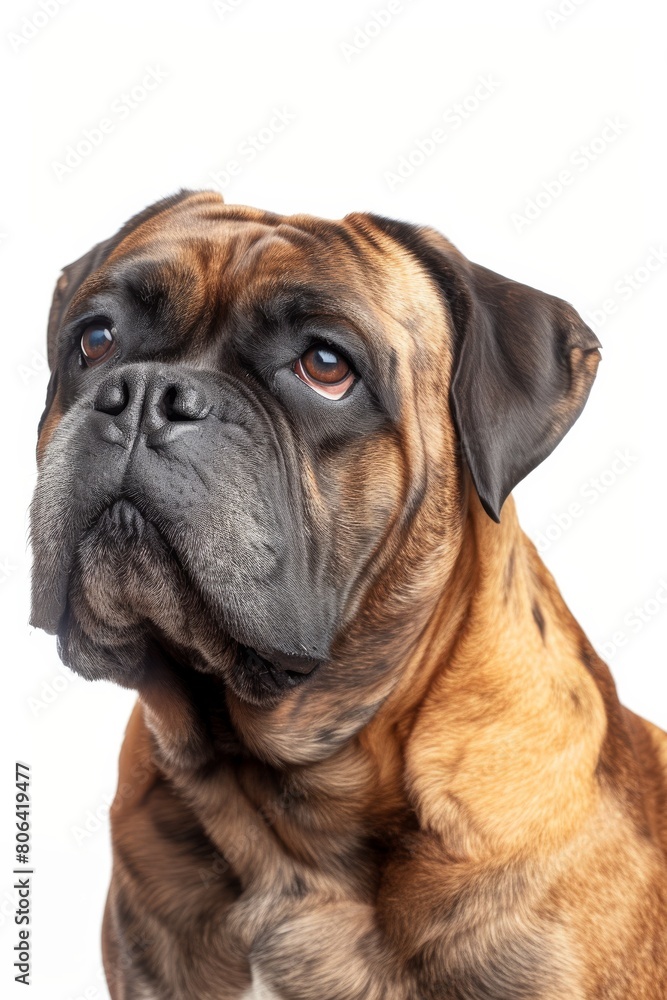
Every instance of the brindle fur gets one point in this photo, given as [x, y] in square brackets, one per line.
[459, 808]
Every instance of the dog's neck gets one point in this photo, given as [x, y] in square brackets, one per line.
[499, 706]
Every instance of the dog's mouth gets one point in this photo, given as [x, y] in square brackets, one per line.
[130, 580]
[258, 675]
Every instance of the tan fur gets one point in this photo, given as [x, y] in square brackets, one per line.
[496, 830]
[513, 838]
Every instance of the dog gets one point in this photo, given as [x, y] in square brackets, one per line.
[373, 755]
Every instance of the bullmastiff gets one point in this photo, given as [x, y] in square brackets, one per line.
[373, 755]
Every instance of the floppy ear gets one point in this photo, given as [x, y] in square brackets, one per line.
[524, 363]
[75, 274]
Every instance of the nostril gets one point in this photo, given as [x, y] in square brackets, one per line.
[184, 403]
[112, 398]
[169, 402]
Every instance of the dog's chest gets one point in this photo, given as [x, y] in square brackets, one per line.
[272, 896]
[259, 990]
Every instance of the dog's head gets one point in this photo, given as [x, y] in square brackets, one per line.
[254, 456]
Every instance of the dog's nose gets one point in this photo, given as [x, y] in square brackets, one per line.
[158, 403]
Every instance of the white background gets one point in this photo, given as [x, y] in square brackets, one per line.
[556, 79]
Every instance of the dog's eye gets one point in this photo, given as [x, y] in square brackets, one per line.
[325, 371]
[97, 343]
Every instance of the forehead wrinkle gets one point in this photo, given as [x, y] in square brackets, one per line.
[162, 284]
[218, 258]
[328, 282]
[203, 274]
[168, 288]
[274, 268]
[257, 251]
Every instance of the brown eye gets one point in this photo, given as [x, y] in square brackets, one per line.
[97, 343]
[325, 371]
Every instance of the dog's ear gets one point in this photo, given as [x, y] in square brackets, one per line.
[75, 274]
[524, 363]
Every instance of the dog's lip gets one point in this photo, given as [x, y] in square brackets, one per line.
[49, 605]
[284, 669]
[289, 663]
[125, 503]
[124, 511]
[293, 667]
[129, 513]
[278, 669]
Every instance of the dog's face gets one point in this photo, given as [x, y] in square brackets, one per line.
[253, 459]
